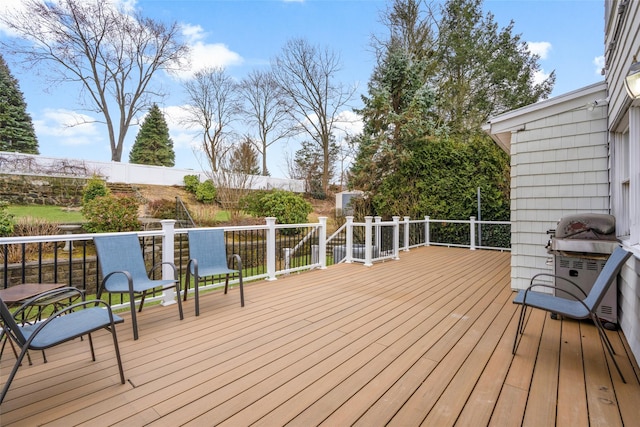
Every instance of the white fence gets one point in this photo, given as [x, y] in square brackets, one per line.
[18, 163]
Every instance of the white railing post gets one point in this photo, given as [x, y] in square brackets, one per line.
[168, 255]
[396, 237]
[472, 226]
[348, 256]
[368, 231]
[406, 233]
[271, 248]
[378, 235]
[427, 235]
[322, 242]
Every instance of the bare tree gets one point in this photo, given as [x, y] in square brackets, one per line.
[264, 110]
[212, 105]
[306, 77]
[234, 179]
[111, 53]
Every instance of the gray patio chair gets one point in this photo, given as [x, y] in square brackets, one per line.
[66, 324]
[208, 257]
[123, 271]
[31, 310]
[582, 307]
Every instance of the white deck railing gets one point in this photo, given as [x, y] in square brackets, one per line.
[362, 242]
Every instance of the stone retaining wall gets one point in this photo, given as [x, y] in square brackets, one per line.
[41, 190]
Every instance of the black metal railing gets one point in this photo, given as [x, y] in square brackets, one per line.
[265, 250]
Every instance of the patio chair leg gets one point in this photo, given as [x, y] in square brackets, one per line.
[93, 353]
[134, 320]
[196, 293]
[607, 344]
[118, 359]
[602, 334]
[178, 299]
[187, 283]
[12, 375]
[144, 294]
[226, 284]
[519, 329]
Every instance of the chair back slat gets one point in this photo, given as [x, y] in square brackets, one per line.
[208, 247]
[120, 253]
[10, 325]
[606, 277]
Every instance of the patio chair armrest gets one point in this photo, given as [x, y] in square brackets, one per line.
[555, 276]
[124, 272]
[238, 261]
[192, 262]
[31, 301]
[160, 264]
[87, 303]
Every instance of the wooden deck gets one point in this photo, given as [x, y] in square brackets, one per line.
[425, 340]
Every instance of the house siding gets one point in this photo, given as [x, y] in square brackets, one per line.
[629, 304]
[619, 58]
[566, 159]
[622, 43]
[559, 166]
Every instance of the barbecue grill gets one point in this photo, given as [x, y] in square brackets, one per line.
[581, 245]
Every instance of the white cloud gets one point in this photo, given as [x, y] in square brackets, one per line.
[540, 48]
[183, 135]
[349, 123]
[128, 6]
[540, 76]
[8, 6]
[599, 62]
[205, 55]
[67, 127]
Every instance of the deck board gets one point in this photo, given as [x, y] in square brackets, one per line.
[572, 403]
[421, 340]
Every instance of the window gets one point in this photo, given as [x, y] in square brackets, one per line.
[623, 164]
[625, 179]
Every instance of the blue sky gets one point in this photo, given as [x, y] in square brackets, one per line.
[243, 35]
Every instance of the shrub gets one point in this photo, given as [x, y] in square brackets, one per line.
[252, 203]
[95, 187]
[206, 192]
[285, 206]
[191, 183]
[29, 226]
[111, 214]
[7, 221]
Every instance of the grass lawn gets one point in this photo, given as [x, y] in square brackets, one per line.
[54, 214]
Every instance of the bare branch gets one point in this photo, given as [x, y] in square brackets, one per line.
[265, 111]
[306, 77]
[112, 54]
[212, 105]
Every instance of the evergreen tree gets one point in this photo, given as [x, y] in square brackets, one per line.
[16, 129]
[440, 76]
[308, 165]
[153, 145]
[244, 158]
[482, 70]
